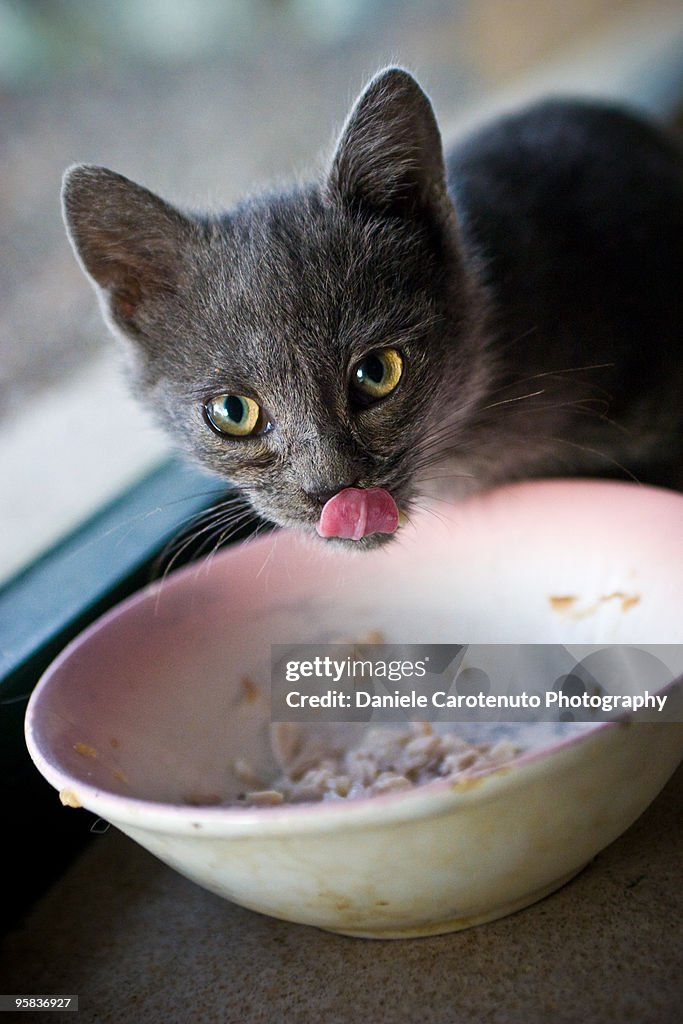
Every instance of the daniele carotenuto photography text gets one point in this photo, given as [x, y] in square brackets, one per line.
[528, 681]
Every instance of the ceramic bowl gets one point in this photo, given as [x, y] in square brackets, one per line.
[142, 717]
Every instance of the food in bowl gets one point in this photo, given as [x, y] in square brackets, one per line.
[385, 760]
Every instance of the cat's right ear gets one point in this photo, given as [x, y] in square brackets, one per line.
[127, 240]
[389, 156]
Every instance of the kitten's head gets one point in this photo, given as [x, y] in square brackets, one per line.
[306, 341]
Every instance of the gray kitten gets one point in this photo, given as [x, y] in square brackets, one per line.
[411, 323]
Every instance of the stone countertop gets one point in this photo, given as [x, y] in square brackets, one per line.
[136, 941]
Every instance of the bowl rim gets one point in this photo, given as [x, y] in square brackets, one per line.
[431, 799]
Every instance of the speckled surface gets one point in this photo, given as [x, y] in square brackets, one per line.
[138, 942]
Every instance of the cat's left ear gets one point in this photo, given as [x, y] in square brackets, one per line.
[389, 156]
[127, 239]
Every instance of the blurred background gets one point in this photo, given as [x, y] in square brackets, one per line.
[203, 100]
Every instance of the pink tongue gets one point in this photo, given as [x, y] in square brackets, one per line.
[357, 512]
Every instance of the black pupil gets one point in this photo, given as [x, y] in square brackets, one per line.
[234, 407]
[372, 367]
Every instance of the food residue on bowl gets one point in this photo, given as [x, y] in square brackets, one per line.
[85, 750]
[566, 604]
[68, 798]
[251, 691]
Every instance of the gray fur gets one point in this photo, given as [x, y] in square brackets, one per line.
[452, 262]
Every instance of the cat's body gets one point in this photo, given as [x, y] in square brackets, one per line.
[412, 325]
[574, 212]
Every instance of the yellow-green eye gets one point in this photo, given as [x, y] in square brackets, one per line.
[377, 375]
[235, 415]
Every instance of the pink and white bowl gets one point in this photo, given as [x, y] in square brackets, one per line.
[142, 717]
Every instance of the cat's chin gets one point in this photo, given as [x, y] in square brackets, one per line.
[369, 543]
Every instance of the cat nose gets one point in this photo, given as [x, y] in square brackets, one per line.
[323, 496]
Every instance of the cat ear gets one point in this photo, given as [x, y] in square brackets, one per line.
[389, 155]
[127, 239]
